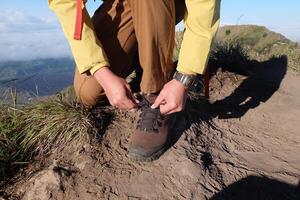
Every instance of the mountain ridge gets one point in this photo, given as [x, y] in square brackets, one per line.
[40, 77]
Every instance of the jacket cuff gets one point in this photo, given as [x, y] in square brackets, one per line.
[92, 68]
[185, 70]
[98, 66]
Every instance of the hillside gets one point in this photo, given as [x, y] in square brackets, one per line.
[35, 77]
[261, 43]
[241, 144]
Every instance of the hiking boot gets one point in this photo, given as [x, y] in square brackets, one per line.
[149, 140]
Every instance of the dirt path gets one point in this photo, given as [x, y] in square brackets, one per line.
[244, 144]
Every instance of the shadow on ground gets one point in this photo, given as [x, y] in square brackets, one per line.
[263, 80]
[258, 188]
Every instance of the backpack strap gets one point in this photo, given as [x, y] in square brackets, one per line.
[79, 20]
[206, 82]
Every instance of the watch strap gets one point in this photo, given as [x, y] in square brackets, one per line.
[186, 79]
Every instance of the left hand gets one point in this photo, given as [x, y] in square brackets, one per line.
[172, 98]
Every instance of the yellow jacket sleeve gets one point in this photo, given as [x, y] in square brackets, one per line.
[201, 23]
[88, 52]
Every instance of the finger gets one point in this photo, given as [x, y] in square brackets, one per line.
[171, 112]
[175, 110]
[158, 101]
[120, 106]
[167, 108]
[130, 94]
[128, 104]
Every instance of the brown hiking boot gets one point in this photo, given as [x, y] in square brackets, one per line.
[149, 140]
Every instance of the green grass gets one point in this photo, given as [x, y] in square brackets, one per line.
[231, 56]
[261, 44]
[48, 124]
[37, 129]
[10, 151]
[257, 42]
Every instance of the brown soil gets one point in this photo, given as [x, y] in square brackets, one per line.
[242, 144]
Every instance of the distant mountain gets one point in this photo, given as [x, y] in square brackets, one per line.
[36, 77]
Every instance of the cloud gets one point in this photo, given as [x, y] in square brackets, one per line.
[25, 37]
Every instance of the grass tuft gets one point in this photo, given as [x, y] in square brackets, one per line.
[48, 124]
[230, 56]
[37, 129]
[10, 151]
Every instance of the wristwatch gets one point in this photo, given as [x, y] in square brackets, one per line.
[186, 79]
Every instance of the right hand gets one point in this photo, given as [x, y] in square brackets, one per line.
[116, 89]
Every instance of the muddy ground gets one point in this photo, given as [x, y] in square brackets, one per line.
[244, 143]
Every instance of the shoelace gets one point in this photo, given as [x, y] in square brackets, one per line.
[150, 119]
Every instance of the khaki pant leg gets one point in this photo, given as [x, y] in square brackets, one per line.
[87, 89]
[154, 24]
[114, 27]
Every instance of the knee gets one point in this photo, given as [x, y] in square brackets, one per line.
[87, 98]
[88, 94]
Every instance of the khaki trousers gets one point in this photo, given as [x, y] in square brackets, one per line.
[125, 26]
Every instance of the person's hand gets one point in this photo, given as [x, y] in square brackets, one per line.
[116, 89]
[171, 98]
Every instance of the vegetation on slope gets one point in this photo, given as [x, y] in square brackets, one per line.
[37, 129]
[260, 43]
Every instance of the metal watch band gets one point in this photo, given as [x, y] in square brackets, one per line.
[187, 80]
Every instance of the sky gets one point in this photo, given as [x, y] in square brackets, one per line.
[29, 30]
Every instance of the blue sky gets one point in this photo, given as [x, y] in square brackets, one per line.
[28, 29]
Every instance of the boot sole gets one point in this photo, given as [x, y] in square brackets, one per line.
[153, 157]
[140, 158]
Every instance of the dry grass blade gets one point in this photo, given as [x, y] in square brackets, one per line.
[48, 124]
[37, 129]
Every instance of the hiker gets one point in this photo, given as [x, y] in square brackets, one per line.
[104, 48]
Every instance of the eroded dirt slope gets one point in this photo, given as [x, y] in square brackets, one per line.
[243, 144]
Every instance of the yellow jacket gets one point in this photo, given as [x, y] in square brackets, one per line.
[201, 23]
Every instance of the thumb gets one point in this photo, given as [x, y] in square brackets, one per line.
[158, 101]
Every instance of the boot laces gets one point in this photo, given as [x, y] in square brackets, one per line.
[150, 120]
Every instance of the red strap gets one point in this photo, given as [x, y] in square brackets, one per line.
[79, 21]
[206, 82]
